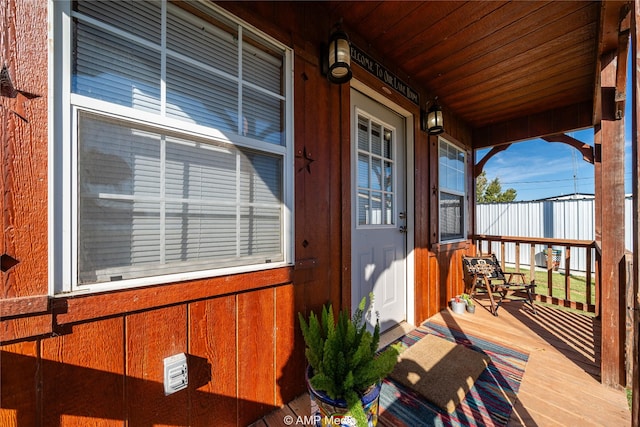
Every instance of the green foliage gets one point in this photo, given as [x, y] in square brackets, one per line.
[343, 355]
[467, 298]
[491, 192]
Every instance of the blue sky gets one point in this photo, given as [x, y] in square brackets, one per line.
[537, 169]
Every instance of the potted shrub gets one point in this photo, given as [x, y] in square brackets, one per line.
[345, 369]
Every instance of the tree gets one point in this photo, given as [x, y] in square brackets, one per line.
[491, 192]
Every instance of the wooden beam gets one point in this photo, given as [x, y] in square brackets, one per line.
[585, 149]
[550, 122]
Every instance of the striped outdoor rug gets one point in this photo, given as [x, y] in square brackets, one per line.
[488, 403]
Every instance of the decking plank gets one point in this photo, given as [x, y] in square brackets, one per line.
[301, 405]
[281, 417]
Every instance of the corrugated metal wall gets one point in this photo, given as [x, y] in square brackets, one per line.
[554, 219]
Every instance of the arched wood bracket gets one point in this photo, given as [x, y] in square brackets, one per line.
[477, 169]
[586, 150]
[7, 90]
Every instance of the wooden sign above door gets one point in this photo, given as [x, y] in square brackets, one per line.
[384, 75]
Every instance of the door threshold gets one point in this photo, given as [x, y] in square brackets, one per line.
[393, 333]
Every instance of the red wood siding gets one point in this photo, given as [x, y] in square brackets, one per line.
[152, 336]
[289, 365]
[256, 361]
[212, 373]
[231, 341]
[88, 359]
[23, 161]
[21, 379]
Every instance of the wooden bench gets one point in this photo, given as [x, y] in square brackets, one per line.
[485, 273]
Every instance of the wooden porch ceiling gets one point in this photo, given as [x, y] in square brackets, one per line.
[494, 63]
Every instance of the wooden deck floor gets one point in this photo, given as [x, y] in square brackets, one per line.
[561, 384]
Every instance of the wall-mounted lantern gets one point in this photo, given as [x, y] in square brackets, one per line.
[337, 58]
[432, 119]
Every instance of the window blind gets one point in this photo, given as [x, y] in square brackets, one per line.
[156, 202]
[119, 61]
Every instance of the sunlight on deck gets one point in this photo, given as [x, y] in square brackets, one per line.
[561, 384]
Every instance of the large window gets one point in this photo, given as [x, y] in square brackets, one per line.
[452, 194]
[172, 144]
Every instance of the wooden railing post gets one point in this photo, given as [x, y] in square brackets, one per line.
[532, 262]
[567, 273]
[598, 281]
[588, 273]
[550, 270]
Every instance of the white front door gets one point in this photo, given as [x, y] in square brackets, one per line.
[378, 205]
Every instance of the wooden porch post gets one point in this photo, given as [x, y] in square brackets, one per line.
[635, 139]
[610, 207]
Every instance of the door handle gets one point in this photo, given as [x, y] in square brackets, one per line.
[402, 229]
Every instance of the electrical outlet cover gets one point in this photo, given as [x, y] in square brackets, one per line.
[176, 373]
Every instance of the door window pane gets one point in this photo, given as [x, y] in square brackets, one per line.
[375, 173]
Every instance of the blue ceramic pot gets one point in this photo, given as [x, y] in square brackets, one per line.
[334, 412]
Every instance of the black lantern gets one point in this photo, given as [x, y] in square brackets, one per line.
[339, 57]
[434, 124]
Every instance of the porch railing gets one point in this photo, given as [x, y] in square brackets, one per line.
[566, 272]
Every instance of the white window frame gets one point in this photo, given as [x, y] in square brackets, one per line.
[453, 192]
[62, 167]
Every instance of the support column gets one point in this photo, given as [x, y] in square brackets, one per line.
[610, 207]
